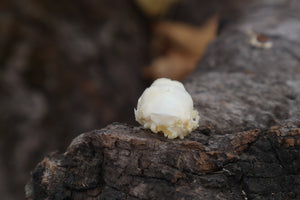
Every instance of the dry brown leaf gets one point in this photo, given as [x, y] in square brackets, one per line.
[179, 46]
[175, 65]
[155, 8]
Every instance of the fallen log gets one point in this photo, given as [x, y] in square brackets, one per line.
[246, 147]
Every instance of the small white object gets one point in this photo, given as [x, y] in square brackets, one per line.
[167, 107]
[259, 40]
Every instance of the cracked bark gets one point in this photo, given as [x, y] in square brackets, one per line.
[246, 147]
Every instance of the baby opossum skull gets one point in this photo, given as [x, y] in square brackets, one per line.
[167, 107]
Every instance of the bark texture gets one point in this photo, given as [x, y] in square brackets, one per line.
[248, 142]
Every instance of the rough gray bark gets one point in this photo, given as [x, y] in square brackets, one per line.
[248, 142]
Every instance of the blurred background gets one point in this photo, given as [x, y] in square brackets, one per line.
[68, 67]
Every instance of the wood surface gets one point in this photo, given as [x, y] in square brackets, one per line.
[246, 147]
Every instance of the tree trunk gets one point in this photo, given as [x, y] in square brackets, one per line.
[247, 145]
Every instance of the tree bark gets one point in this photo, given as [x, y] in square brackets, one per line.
[246, 147]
